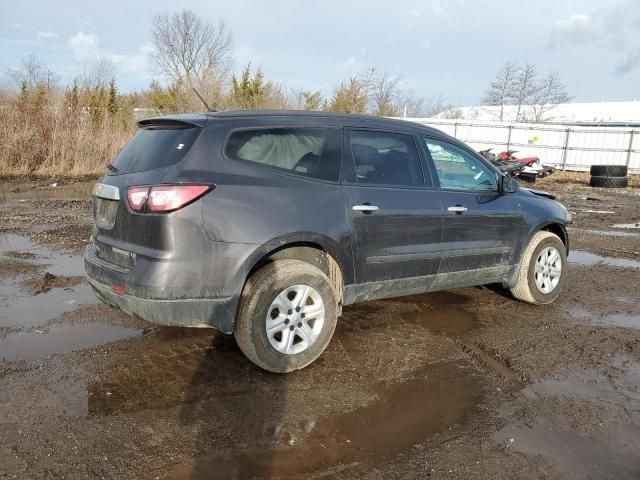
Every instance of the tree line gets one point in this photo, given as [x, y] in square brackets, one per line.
[191, 52]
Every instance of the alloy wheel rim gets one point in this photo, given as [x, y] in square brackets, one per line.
[548, 270]
[295, 319]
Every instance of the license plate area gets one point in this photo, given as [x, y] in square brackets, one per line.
[116, 256]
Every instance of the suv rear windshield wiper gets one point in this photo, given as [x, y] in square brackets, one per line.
[113, 168]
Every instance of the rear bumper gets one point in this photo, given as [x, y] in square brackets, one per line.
[218, 313]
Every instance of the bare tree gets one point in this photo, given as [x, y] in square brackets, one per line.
[550, 92]
[97, 74]
[383, 91]
[525, 87]
[32, 74]
[501, 88]
[189, 49]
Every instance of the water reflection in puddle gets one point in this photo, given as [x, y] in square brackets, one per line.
[606, 451]
[18, 307]
[597, 455]
[588, 259]
[607, 320]
[57, 262]
[60, 339]
[438, 398]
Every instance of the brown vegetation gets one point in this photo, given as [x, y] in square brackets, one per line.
[75, 131]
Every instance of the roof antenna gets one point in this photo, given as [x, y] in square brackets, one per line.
[202, 100]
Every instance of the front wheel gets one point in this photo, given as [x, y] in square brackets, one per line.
[287, 316]
[543, 270]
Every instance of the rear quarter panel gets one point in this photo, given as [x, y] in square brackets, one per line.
[264, 209]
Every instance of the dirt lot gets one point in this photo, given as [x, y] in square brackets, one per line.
[458, 384]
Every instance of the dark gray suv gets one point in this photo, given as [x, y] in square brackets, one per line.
[264, 224]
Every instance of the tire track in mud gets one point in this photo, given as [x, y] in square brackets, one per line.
[478, 352]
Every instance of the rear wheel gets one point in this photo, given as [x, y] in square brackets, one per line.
[543, 270]
[287, 316]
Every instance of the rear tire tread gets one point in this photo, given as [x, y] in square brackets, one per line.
[248, 309]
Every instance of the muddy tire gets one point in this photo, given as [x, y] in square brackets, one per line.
[287, 316]
[609, 182]
[543, 270]
[609, 170]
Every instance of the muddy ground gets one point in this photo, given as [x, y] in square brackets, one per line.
[458, 384]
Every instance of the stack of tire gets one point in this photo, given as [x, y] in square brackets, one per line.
[609, 176]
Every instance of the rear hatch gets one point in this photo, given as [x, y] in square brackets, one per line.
[147, 159]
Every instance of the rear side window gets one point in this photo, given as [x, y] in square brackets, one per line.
[310, 152]
[388, 159]
[155, 147]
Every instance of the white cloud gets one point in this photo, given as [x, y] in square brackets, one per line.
[614, 27]
[47, 35]
[85, 47]
[350, 61]
[18, 26]
[437, 8]
[578, 28]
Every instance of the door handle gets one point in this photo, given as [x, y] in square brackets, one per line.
[365, 208]
[457, 209]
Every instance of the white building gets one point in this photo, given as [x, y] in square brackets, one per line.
[593, 112]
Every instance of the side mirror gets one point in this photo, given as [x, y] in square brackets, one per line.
[508, 184]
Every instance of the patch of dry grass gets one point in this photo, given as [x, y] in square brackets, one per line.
[54, 140]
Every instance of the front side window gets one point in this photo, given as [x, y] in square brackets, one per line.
[311, 152]
[458, 169]
[386, 159]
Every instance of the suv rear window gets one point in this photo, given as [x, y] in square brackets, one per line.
[155, 147]
[311, 152]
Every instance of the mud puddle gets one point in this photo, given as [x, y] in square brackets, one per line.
[59, 263]
[438, 399]
[602, 451]
[606, 233]
[439, 312]
[22, 305]
[612, 454]
[608, 320]
[588, 259]
[41, 343]
[20, 309]
[627, 225]
[64, 191]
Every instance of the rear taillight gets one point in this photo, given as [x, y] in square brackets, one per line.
[164, 198]
[137, 197]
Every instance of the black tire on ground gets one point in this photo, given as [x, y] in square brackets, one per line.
[259, 292]
[609, 170]
[609, 182]
[525, 288]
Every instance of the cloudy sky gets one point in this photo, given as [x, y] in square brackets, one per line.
[447, 47]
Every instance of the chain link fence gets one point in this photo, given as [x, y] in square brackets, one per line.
[566, 147]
